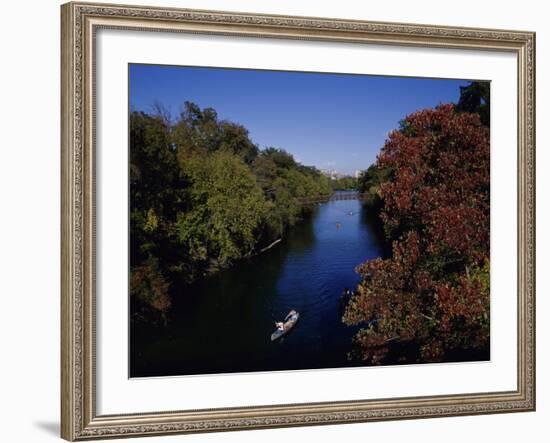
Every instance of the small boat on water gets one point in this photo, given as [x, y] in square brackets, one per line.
[289, 322]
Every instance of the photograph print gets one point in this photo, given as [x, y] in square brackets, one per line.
[298, 220]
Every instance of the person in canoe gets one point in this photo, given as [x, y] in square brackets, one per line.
[283, 327]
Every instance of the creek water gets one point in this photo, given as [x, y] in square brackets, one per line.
[223, 322]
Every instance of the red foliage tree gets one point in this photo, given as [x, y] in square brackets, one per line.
[432, 295]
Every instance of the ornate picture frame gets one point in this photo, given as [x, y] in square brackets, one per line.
[80, 22]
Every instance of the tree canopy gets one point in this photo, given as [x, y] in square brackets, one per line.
[432, 294]
[476, 98]
[202, 195]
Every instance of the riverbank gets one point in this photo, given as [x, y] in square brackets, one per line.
[215, 267]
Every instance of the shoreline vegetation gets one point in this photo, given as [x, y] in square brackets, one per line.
[203, 196]
[430, 186]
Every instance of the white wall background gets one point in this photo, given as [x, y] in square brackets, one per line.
[29, 218]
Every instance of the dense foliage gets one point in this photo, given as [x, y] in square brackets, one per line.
[475, 98]
[345, 183]
[368, 184]
[431, 297]
[203, 195]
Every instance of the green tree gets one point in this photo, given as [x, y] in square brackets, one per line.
[198, 131]
[228, 209]
[369, 183]
[476, 98]
[344, 183]
[202, 195]
[284, 182]
[157, 191]
[235, 139]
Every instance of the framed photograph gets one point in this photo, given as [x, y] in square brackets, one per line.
[282, 221]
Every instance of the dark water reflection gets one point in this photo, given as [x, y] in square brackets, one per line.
[223, 323]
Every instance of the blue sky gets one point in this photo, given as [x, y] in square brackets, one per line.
[331, 121]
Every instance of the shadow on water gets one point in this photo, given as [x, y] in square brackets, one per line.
[371, 219]
[223, 322]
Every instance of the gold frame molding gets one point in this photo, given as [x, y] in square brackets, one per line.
[79, 22]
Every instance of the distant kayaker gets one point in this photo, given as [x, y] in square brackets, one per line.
[280, 325]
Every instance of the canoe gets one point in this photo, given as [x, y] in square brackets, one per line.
[290, 320]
